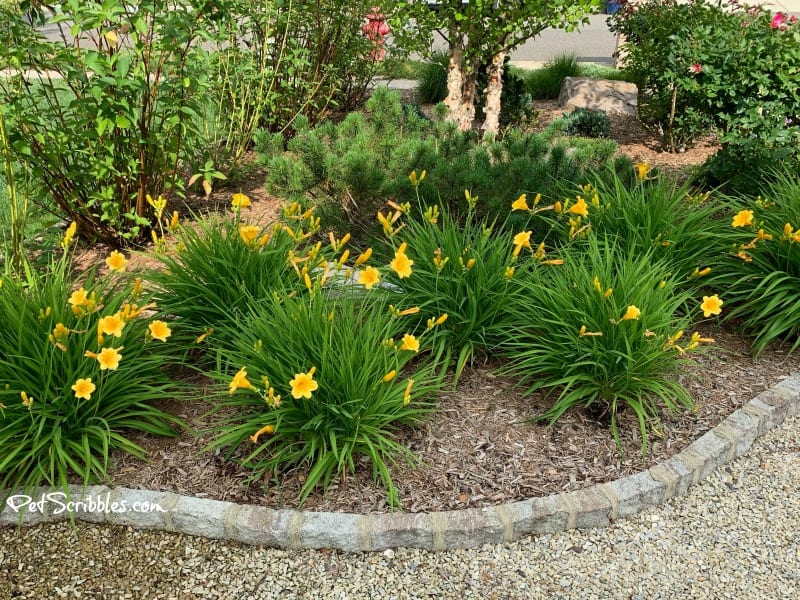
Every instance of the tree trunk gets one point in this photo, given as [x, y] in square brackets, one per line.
[466, 108]
[494, 90]
[455, 75]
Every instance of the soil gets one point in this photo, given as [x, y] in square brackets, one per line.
[480, 448]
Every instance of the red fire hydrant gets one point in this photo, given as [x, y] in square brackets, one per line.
[376, 29]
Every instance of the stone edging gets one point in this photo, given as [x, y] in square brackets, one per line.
[596, 506]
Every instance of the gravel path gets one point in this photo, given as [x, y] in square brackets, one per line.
[736, 535]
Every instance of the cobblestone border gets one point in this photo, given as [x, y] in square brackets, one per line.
[596, 506]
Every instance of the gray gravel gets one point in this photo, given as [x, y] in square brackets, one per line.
[736, 535]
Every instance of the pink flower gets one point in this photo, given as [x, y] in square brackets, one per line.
[696, 68]
[778, 21]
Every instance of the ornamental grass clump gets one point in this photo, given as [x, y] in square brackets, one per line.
[226, 263]
[761, 271]
[319, 381]
[604, 331]
[80, 364]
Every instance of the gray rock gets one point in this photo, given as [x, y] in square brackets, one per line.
[612, 97]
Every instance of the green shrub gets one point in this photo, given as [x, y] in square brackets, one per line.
[432, 84]
[761, 272]
[737, 171]
[603, 72]
[587, 123]
[103, 124]
[701, 65]
[78, 371]
[545, 83]
[602, 332]
[333, 378]
[352, 168]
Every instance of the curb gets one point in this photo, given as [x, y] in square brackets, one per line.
[596, 506]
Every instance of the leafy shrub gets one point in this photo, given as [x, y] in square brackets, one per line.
[333, 380]
[353, 167]
[78, 371]
[737, 171]
[432, 84]
[545, 83]
[604, 332]
[301, 59]
[102, 124]
[224, 264]
[761, 272]
[701, 65]
[587, 123]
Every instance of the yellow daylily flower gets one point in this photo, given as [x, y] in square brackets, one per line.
[520, 203]
[407, 392]
[642, 169]
[401, 264]
[249, 233]
[711, 305]
[69, 234]
[368, 277]
[239, 382]
[631, 314]
[239, 201]
[410, 343]
[111, 325]
[522, 240]
[743, 218]
[159, 330]
[109, 358]
[266, 429]
[580, 208]
[83, 388]
[116, 261]
[303, 384]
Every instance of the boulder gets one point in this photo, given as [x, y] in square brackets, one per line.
[612, 97]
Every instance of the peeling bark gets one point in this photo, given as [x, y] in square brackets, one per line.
[466, 109]
[455, 75]
[494, 90]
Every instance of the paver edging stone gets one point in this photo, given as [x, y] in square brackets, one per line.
[595, 506]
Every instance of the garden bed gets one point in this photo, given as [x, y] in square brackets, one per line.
[480, 447]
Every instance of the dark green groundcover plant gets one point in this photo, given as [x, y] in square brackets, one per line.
[79, 369]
